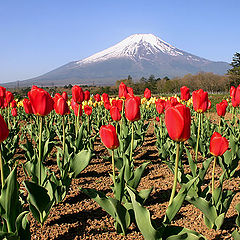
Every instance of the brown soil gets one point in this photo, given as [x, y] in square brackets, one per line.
[79, 217]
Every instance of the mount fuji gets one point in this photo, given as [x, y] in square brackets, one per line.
[139, 55]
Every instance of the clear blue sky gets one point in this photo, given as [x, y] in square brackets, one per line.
[37, 36]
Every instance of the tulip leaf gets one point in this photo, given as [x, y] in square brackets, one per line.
[208, 210]
[80, 161]
[238, 217]
[179, 233]
[134, 182]
[192, 164]
[143, 218]
[39, 201]
[173, 209]
[112, 207]
[23, 226]
[9, 200]
[236, 235]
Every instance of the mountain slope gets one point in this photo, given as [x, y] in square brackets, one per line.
[138, 55]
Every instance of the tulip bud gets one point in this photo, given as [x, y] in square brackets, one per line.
[14, 112]
[105, 97]
[109, 136]
[147, 93]
[200, 101]
[132, 109]
[65, 96]
[41, 101]
[115, 113]
[185, 94]
[218, 144]
[60, 105]
[221, 108]
[86, 95]
[4, 132]
[97, 97]
[122, 90]
[178, 122]
[27, 106]
[88, 110]
[2, 95]
[9, 97]
[77, 94]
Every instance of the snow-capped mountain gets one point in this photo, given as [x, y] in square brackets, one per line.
[138, 55]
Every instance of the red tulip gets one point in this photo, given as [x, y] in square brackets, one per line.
[119, 105]
[115, 113]
[13, 104]
[157, 119]
[86, 95]
[76, 108]
[109, 136]
[200, 101]
[105, 97]
[178, 121]
[159, 107]
[88, 110]
[234, 102]
[27, 106]
[132, 109]
[41, 101]
[237, 95]
[130, 91]
[185, 94]
[3, 129]
[9, 97]
[172, 102]
[77, 94]
[218, 144]
[147, 93]
[65, 96]
[107, 105]
[221, 108]
[60, 105]
[232, 91]
[97, 97]
[14, 112]
[2, 95]
[122, 90]
[161, 101]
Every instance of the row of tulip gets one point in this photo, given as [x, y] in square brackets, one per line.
[78, 134]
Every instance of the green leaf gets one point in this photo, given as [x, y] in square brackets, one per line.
[23, 226]
[236, 235]
[112, 207]
[143, 218]
[39, 201]
[80, 161]
[178, 233]
[137, 176]
[208, 210]
[9, 200]
[238, 217]
[173, 209]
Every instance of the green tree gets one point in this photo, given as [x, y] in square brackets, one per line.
[234, 72]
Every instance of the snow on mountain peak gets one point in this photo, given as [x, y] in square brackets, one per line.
[136, 46]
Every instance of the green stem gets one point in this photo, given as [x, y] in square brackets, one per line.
[132, 140]
[214, 165]
[233, 111]
[175, 174]
[8, 116]
[113, 168]
[40, 148]
[64, 135]
[199, 129]
[1, 167]
[160, 118]
[31, 126]
[219, 124]
[88, 117]
[77, 123]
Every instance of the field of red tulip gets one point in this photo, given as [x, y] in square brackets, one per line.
[123, 167]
